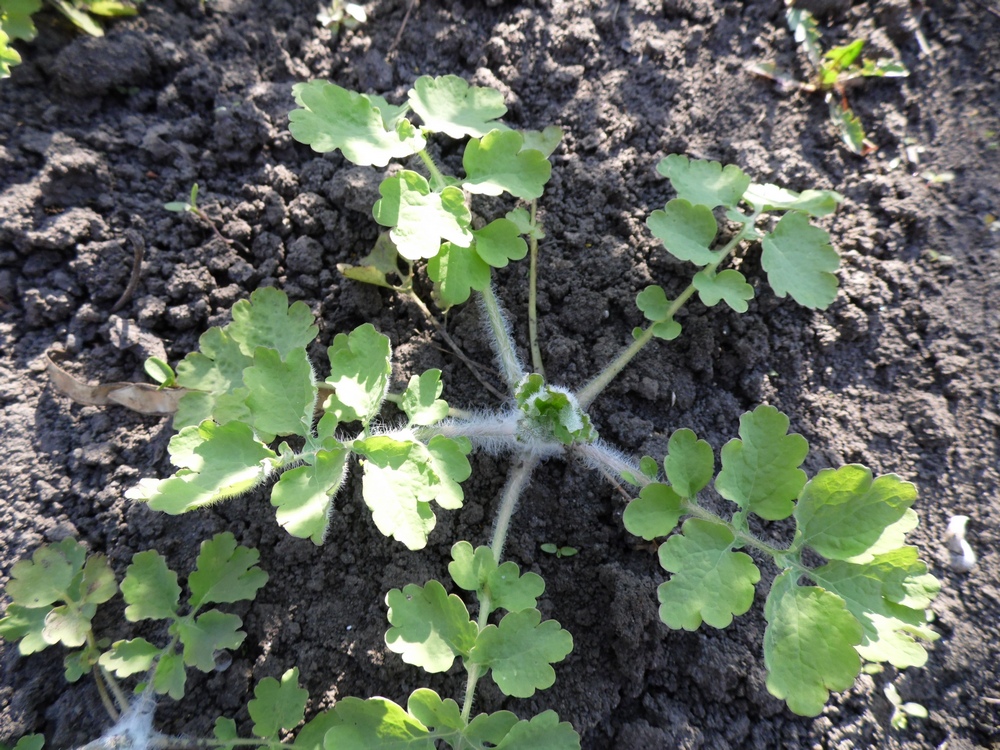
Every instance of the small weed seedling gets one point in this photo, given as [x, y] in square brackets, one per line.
[555, 549]
[16, 22]
[341, 14]
[902, 712]
[847, 591]
[833, 71]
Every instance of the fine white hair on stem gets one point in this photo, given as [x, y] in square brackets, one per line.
[501, 338]
[601, 456]
[134, 730]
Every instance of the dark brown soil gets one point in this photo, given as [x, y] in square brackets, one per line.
[902, 373]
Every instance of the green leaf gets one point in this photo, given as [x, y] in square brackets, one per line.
[310, 737]
[873, 594]
[769, 197]
[554, 410]
[729, 285]
[15, 18]
[377, 265]
[126, 658]
[304, 496]
[419, 217]
[686, 231]
[809, 644]
[542, 732]
[393, 488]
[760, 472]
[79, 18]
[883, 69]
[375, 723]
[497, 162]
[690, 463]
[426, 706]
[800, 261]
[216, 462]
[841, 58]
[704, 183]
[277, 705]
[457, 271]
[852, 132]
[420, 399]
[648, 467]
[48, 576]
[499, 242]
[211, 632]
[522, 220]
[282, 392]
[25, 624]
[30, 742]
[653, 303]
[76, 664]
[806, 32]
[111, 9]
[359, 373]
[160, 372]
[449, 105]
[844, 515]
[489, 730]
[710, 581]
[267, 321]
[429, 626]
[225, 731]
[225, 573]
[654, 513]
[68, 624]
[520, 650]
[150, 588]
[333, 118]
[9, 56]
[510, 590]
[470, 569]
[545, 141]
[216, 375]
[170, 675]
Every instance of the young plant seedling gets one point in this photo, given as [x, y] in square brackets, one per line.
[341, 14]
[555, 549]
[833, 72]
[902, 712]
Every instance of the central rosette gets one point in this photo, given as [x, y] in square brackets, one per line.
[549, 412]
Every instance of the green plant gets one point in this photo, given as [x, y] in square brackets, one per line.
[252, 384]
[833, 72]
[16, 21]
[902, 712]
[340, 13]
[555, 549]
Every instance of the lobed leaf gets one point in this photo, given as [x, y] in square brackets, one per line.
[429, 626]
[653, 303]
[541, 732]
[277, 705]
[266, 320]
[767, 197]
[689, 464]
[809, 644]
[225, 573]
[215, 376]
[510, 590]
[844, 514]
[9, 56]
[704, 183]
[170, 675]
[545, 141]
[686, 230]
[126, 658]
[359, 373]
[470, 568]
[282, 392]
[215, 462]
[654, 513]
[304, 496]
[420, 400]
[499, 242]
[376, 723]
[209, 633]
[15, 19]
[68, 624]
[554, 410]
[497, 162]
[457, 271]
[150, 588]
[449, 105]
[437, 715]
[419, 217]
[333, 118]
[522, 220]
[760, 472]
[710, 581]
[375, 267]
[852, 132]
[48, 576]
[25, 625]
[520, 650]
[800, 261]
[729, 285]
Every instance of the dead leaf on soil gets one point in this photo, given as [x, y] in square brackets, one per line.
[141, 397]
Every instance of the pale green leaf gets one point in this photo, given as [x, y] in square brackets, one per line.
[438, 715]
[310, 737]
[704, 183]
[15, 18]
[448, 104]
[667, 330]
[375, 267]
[653, 303]
[277, 705]
[690, 463]
[225, 572]
[25, 624]
[76, 664]
[333, 118]
[48, 575]
[304, 496]
[541, 732]
[30, 742]
[359, 373]
[282, 392]
[150, 588]
[768, 197]
[545, 141]
[654, 513]
[457, 271]
[510, 590]
[710, 582]
[489, 730]
[419, 217]
[729, 285]
[809, 644]
[170, 675]
[760, 472]
[449, 461]
[499, 242]
[209, 633]
[420, 400]
[126, 658]
[215, 375]
[68, 624]
[9, 56]
[216, 462]
[852, 132]
[520, 650]
[844, 514]
[225, 732]
[79, 18]
[470, 569]
[374, 724]
[686, 231]
[266, 320]
[522, 220]
[429, 626]
[497, 162]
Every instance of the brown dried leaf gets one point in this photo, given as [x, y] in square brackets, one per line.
[139, 397]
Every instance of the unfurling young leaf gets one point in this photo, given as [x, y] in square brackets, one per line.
[476, 570]
[419, 217]
[449, 105]
[704, 183]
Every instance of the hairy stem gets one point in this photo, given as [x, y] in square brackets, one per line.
[437, 179]
[510, 365]
[536, 352]
[603, 378]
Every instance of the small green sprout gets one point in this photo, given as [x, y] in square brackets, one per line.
[558, 551]
[188, 206]
[160, 372]
[902, 712]
[340, 14]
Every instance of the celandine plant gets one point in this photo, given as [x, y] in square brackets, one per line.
[848, 589]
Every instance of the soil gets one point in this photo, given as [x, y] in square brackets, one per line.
[902, 373]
